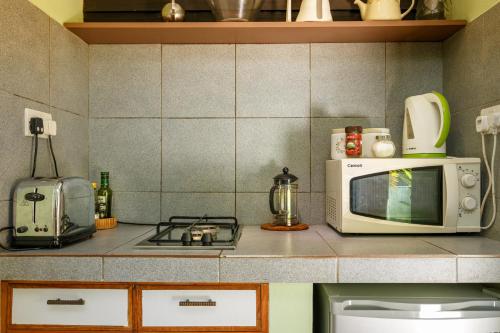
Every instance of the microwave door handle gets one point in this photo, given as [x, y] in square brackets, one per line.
[450, 192]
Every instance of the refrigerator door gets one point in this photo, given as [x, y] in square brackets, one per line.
[380, 316]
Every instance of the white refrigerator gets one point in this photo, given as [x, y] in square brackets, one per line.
[406, 308]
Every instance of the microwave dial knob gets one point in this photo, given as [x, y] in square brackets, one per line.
[468, 180]
[469, 203]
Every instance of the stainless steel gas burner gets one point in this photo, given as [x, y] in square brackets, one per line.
[195, 233]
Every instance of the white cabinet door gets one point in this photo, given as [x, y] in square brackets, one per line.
[199, 308]
[82, 307]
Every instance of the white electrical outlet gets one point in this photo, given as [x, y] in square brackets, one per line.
[28, 114]
[493, 115]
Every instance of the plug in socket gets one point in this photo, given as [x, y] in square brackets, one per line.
[28, 114]
[493, 115]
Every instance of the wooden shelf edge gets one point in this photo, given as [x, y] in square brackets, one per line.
[265, 32]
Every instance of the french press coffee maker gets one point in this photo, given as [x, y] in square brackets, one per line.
[283, 199]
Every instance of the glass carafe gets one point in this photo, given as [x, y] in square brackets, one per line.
[283, 199]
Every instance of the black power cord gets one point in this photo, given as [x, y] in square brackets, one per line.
[35, 156]
[6, 248]
[53, 156]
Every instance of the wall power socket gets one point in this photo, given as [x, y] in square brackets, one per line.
[491, 119]
[48, 124]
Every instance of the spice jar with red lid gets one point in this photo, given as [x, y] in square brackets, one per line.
[353, 141]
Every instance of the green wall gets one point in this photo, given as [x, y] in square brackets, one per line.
[62, 10]
[470, 9]
[290, 308]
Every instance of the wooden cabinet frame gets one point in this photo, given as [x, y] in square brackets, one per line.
[7, 293]
[134, 307]
[262, 303]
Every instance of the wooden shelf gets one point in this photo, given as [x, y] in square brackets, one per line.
[265, 32]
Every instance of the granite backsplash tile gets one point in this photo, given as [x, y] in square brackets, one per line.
[42, 66]
[471, 67]
[234, 115]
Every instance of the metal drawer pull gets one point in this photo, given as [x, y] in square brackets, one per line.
[66, 302]
[198, 303]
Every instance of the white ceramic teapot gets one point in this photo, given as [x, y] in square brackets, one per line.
[382, 9]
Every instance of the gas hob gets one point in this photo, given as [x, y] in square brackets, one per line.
[195, 233]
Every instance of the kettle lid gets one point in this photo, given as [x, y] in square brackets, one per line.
[284, 178]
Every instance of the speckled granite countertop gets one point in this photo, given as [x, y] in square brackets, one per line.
[317, 255]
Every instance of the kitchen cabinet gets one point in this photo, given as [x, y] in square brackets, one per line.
[66, 307]
[131, 307]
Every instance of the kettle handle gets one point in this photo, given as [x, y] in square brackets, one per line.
[444, 112]
[271, 199]
[409, 9]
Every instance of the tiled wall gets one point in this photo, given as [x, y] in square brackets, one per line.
[44, 67]
[472, 82]
[193, 129]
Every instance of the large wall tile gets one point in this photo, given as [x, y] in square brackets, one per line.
[71, 145]
[272, 80]
[196, 204]
[125, 81]
[69, 71]
[5, 220]
[137, 207]
[265, 146]
[348, 80]
[412, 69]
[318, 208]
[321, 130]
[491, 55]
[24, 50]
[129, 149]
[16, 149]
[253, 208]
[198, 80]
[198, 155]
[463, 76]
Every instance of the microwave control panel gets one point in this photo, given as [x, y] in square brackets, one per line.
[469, 181]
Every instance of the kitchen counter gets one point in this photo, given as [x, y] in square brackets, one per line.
[319, 254]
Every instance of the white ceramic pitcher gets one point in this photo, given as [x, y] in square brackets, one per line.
[314, 10]
[382, 9]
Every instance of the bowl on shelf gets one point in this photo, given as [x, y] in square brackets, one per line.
[235, 10]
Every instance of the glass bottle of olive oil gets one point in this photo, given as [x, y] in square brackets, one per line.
[104, 197]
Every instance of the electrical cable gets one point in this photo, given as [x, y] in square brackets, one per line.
[53, 156]
[6, 248]
[488, 170]
[35, 156]
[492, 182]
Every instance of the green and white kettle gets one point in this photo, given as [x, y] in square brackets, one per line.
[426, 126]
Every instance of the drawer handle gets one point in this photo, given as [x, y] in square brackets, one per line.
[66, 302]
[198, 303]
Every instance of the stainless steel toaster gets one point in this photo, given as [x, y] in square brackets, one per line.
[52, 212]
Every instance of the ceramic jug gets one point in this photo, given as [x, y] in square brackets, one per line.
[314, 10]
[382, 9]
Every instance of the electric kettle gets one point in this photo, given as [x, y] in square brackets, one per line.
[426, 126]
[283, 199]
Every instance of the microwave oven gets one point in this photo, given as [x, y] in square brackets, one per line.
[403, 195]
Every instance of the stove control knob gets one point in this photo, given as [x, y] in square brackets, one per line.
[186, 238]
[206, 239]
[468, 180]
[469, 203]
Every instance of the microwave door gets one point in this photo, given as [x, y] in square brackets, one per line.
[450, 197]
[411, 197]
